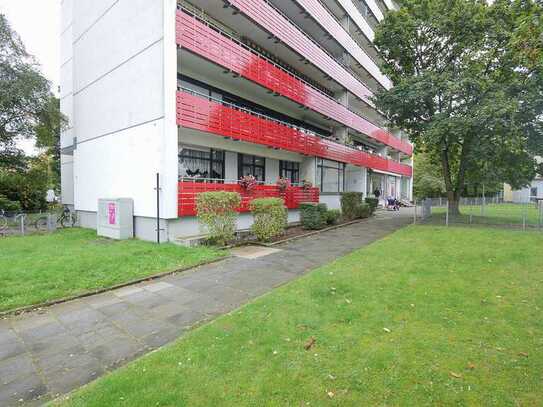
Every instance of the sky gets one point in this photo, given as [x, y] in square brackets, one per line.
[38, 24]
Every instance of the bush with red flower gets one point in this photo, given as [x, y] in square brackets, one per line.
[248, 182]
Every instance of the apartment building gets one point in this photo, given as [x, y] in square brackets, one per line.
[196, 94]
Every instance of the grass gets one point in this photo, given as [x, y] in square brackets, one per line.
[426, 316]
[40, 268]
[496, 214]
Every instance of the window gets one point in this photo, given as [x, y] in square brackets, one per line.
[252, 165]
[330, 175]
[201, 164]
[290, 170]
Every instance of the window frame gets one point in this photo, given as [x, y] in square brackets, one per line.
[252, 165]
[294, 177]
[340, 168]
[210, 160]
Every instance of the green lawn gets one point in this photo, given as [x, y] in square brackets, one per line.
[495, 214]
[427, 316]
[40, 268]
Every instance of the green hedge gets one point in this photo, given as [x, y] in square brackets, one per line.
[363, 211]
[332, 216]
[350, 201]
[313, 216]
[270, 218]
[372, 202]
[217, 213]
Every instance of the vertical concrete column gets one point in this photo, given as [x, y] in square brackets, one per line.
[341, 133]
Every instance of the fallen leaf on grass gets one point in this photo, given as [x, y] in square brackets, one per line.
[386, 330]
[523, 354]
[455, 375]
[471, 366]
[330, 394]
[310, 342]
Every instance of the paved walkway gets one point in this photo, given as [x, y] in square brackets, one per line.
[48, 353]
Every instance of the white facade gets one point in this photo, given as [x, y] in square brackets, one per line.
[120, 72]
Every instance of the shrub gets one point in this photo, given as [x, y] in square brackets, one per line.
[313, 216]
[283, 184]
[270, 218]
[9, 206]
[350, 201]
[363, 211]
[372, 202]
[217, 213]
[332, 216]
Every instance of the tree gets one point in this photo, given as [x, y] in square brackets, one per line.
[467, 86]
[428, 181]
[28, 109]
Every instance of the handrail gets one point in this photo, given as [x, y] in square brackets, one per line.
[266, 117]
[233, 181]
[259, 54]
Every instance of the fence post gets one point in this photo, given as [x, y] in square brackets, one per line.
[447, 214]
[22, 220]
[540, 214]
[415, 213]
[525, 209]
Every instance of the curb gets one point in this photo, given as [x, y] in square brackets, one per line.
[46, 304]
[312, 233]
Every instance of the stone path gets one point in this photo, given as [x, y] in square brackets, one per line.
[49, 353]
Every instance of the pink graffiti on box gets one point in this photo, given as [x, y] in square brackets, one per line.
[112, 213]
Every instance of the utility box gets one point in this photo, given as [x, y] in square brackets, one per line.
[116, 218]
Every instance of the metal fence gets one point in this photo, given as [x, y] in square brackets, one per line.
[493, 211]
[26, 223]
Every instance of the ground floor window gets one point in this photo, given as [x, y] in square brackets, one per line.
[330, 175]
[252, 165]
[290, 170]
[201, 164]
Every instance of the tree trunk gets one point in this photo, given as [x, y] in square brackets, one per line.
[454, 203]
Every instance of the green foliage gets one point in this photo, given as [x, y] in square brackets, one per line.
[350, 201]
[467, 82]
[372, 203]
[428, 181]
[26, 181]
[270, 218]
[332, 216]
[364, 210]
[313, 215]
[8, 205]
[217, 213]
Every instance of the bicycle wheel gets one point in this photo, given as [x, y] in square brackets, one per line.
[67, 221]
[41, 224]
[3, 224]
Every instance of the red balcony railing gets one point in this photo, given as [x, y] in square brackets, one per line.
[188, 191]
[273, 21]
[329, 23]
[210, 43]
[226, 120]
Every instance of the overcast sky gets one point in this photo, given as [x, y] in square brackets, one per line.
[38, 24]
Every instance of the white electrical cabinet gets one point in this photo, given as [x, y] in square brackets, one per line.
[116, 218]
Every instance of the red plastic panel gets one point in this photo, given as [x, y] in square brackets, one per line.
[267, 17]
[201, 114]
[329, 23]
[188, 191]
[197, 37]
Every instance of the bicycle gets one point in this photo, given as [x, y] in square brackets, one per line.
[67, 219]
[3, 221]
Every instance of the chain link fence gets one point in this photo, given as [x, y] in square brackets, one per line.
[491, 211]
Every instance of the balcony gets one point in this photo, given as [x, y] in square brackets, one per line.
[218, 47]
[188, 190]
[332, 26]
[205, 114]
